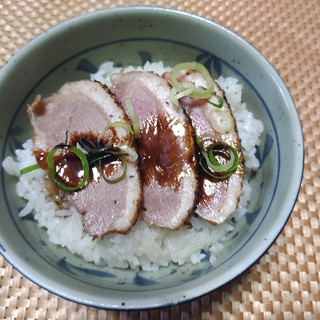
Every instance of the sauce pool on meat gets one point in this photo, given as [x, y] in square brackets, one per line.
[159, 156]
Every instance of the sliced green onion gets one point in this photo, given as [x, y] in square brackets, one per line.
[217, 169]
[115, 124]
[175, 95]
[29, 168]
[209, 162]
[118, 178]
[184, 86]
[131, 155]
[52, 168]
[220, 120]
[220, 101]
[215, 165]
[133, 116]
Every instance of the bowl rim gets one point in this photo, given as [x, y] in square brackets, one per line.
[160, 10]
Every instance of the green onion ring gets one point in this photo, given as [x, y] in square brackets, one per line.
[219, 104]
[52, 170]
[212, 166]
[116, 124]
[216, 166]
[204, 93]
[115, 180]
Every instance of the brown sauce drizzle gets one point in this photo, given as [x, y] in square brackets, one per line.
[69, 168]
[161, 156]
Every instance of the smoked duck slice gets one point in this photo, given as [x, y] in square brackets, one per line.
[217, 198]
[166, 148]
[82, 110]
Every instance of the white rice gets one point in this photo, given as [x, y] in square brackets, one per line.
[144, 247]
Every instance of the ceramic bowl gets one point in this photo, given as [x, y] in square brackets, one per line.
[130, 36]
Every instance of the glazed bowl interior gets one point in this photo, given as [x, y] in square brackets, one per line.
[131, 36]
